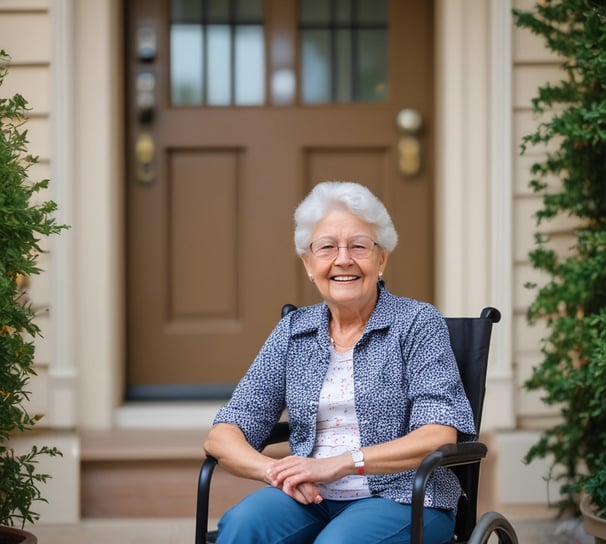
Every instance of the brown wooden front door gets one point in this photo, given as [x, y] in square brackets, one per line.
[215, 171]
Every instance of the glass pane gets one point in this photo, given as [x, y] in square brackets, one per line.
[316, 66]
[217, 11]
[371, 81]
[250, 66]
[186, 11]
[372, 11]
[219, 63]
[186, 64]
[217, 52]
[343, 12]
[344, 64]
[315, 11]
[249, 11]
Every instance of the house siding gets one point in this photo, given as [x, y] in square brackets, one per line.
[533, 66]
[25, 34]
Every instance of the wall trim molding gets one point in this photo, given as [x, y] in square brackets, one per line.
[473, 181]
[501, 412]
[99, 328]
[62, 370]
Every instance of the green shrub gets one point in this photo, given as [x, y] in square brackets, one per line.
[22, 225]
[571, 179]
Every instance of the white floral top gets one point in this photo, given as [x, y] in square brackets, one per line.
[337, 429]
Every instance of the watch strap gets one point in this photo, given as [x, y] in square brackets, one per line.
[358, 460]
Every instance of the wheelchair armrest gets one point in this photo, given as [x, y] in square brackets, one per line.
[449, 455]
[279, 433]
[206, 472]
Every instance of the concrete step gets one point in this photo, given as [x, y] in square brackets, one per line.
[151, 474]
[154, 474]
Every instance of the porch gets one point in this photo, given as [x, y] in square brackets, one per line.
[181, 531]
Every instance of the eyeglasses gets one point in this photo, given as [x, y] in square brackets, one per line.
[327, 249]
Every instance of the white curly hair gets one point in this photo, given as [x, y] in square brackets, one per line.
[348, 195]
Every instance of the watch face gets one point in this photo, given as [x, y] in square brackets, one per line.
[357, 456]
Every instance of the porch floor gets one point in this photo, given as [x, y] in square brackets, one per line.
[181, 531]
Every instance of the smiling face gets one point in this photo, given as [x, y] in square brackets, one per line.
[346, 281]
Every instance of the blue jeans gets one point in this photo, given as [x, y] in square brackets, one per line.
[269, 516]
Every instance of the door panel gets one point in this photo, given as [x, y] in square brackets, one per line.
[197, 206]
[209, 226]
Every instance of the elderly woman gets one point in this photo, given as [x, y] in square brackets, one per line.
[370, 385]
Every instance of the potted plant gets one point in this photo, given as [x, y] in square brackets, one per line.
[23, 222]
[571, 179]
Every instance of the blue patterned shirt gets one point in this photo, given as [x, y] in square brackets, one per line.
[405, 376]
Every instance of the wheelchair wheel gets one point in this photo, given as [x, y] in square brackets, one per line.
[493, 522]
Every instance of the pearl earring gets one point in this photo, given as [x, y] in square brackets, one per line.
[311, 278]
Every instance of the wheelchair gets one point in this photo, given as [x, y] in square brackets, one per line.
[470, 340]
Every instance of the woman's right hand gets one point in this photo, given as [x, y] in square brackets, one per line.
[305, 493]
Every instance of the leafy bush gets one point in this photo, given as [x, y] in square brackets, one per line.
[573, 300]
[22, 225]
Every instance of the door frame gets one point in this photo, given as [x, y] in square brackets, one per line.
[473, 236]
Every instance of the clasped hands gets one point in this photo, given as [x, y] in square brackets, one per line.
[298, 476]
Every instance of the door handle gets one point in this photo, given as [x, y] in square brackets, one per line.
[144, 152]
[410, 123]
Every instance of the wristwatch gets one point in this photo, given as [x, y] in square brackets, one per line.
[358, 460]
